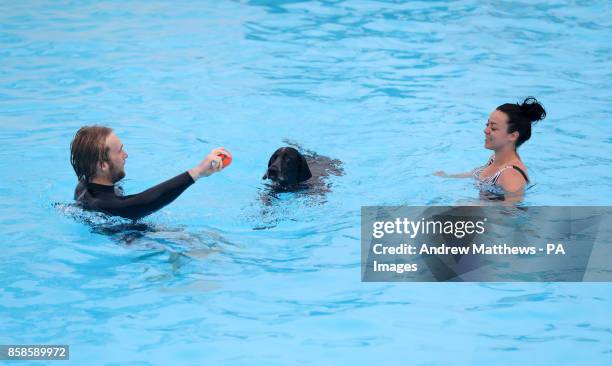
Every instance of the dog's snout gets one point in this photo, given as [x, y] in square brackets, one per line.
[272, 173]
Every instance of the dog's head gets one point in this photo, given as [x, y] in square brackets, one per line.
[287, 166]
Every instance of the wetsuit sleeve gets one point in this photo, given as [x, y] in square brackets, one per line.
[142, 204]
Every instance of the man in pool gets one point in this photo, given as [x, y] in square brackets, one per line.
[98, 158]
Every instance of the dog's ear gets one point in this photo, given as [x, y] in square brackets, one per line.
[303, 171]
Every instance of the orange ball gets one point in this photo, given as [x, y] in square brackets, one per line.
[227, 160]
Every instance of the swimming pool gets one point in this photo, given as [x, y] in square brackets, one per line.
[396, 91]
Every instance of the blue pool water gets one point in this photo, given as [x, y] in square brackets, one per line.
[394, 90]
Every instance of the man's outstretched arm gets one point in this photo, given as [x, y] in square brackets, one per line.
[145, 203]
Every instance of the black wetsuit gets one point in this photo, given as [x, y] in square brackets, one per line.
[112, 201]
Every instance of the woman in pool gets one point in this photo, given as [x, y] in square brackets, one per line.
[504, 176]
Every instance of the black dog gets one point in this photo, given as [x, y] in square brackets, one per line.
[300, 171]
[287, 167]
[291, 170]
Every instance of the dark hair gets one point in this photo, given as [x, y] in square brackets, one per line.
[88, 148]
[521, 116]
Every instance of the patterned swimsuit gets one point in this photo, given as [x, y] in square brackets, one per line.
[488, 186]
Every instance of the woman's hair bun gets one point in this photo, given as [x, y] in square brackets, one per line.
[532, 109]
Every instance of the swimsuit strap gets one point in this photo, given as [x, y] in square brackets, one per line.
[493, 179]
[522, 173]
[499, 172]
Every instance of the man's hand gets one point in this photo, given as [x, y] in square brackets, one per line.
[211, 164]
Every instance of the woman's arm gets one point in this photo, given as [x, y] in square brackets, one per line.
[511, 181]
[513, 184]
[441, 173]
